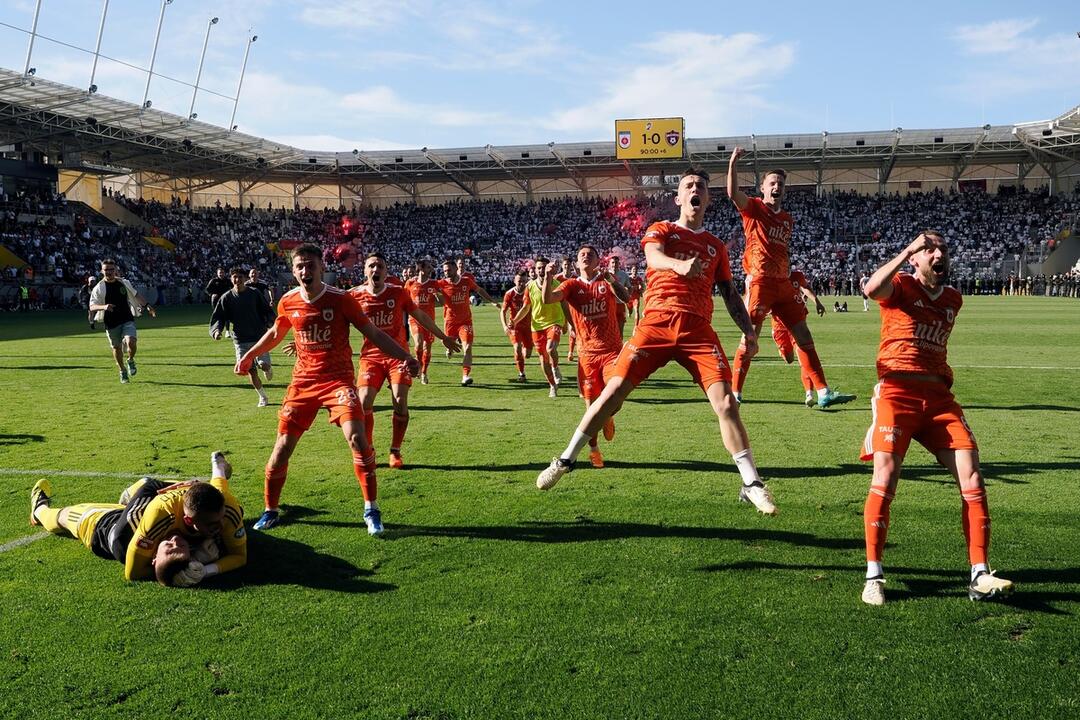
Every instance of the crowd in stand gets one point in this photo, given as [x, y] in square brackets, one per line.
[837, 237]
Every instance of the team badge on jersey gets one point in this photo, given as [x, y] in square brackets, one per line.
[711, 249]
[328, 314]
[390, 303]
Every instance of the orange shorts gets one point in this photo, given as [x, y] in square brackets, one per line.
[593, 373]
[375, 369]
[522, 334]
[541, 338]
[303, 402]
[774, 295]
[461, 330]
[905, 409]
[419, 332]
[685, 338]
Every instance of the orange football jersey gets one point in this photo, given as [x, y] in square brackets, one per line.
[666, 290]
[456, 307]
[767, 236]
[385, 310]
[915, 328]
[321, 330]
[593, 307]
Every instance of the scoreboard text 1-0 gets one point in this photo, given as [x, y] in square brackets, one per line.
[649, 138]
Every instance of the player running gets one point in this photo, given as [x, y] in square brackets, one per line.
[520, 333]
[547, 321]
[592, 299]
[768, 230]
[384, 305]
[319, 316]
[913, 400]
[683, 262]
[566, 271]
[457, 311]
[423, 289]
[785, 342]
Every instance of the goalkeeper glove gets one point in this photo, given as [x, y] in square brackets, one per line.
[191, 575]
[207, 551]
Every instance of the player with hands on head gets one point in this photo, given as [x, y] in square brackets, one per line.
[913, 400]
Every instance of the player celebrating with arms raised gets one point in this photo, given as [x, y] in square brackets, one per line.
[319, 316]
[457, 311]
[384, 305]
[683, 262]
[913, 399]
[768, 231]
[593, 299]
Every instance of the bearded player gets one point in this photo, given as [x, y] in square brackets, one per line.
[457, 311]
[913, 400]
[683, 263]
[768, 231]
[520, 333]
[423, 289]
[593, 298]
[319, 316]
[384, 305]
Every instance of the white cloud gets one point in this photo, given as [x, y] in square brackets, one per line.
[358, 14]
[711, 80]
[994, 37]
[383, 102]
[335, 143]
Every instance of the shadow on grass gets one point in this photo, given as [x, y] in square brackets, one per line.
[464, 408]
[274, 560]
[591, 531]
[20, 439]
[1056, 408]
[681, 466]
[911, 583]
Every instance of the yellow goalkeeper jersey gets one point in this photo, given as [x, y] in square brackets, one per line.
[165, 515]
[543, 316]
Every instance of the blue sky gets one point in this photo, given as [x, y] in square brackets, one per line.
[381, 74]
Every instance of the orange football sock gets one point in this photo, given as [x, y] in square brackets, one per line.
[519, 360]
[876, 522]
[739, 370]
[813, 367]
[466, 370]
[364, 467]
[275, 481]
[976, 523]
[804, 371]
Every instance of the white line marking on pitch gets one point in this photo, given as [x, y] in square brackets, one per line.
[22, 541]
[974, 367]
[90, 473]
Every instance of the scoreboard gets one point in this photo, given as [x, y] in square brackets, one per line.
[648, 139]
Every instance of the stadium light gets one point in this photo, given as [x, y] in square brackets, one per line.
[97, 47]
[153, 54]
[27, 70]
[92, 89]
[243, 69]
[198, 73]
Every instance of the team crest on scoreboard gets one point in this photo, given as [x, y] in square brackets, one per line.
[672, 137]
[624, 139]
[328, 314]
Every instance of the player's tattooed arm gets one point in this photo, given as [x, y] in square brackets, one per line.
[735, 307]
[618, 288]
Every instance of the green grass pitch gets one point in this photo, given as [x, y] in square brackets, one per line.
[643, 590]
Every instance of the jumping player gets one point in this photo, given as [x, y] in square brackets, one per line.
[423, 289]
[913, 400]
[384, 305]
[768, 230]
[457, 311]
[520, 333]
[684, 261]
[593, 298]
[800, 291]
[319, 316]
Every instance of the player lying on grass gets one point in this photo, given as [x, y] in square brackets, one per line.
[179, 534]
[684, 262]
[913, 400]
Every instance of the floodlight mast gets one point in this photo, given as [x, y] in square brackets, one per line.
[97, 47]
[198, 75]
[33, 34]
[243, 69]
[153, 54]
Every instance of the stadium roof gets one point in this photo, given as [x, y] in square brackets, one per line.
[98, 134]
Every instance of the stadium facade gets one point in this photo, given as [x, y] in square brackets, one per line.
[96, 141]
